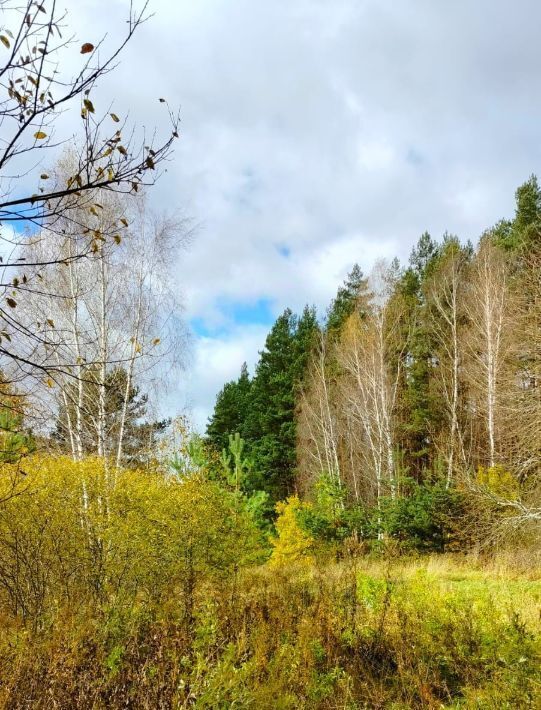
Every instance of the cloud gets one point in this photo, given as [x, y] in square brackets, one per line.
[216, 361]
[316, 134]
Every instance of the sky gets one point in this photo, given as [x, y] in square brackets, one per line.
[316, 134]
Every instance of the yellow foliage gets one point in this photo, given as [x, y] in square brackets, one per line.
[81, 532]
[292, 544]
[498, 480]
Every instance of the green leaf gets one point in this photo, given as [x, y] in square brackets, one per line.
[5, 41]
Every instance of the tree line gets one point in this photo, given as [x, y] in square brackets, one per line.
[420, 374]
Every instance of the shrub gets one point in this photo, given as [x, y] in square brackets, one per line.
[83, 533]
[427, 519]
[499, 481]
[291, 543]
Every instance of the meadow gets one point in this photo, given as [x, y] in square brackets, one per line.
[161, 594]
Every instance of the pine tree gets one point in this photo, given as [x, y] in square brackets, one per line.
[271, 426]
[523, 233]
[15, 441]
[527, 222]
[305, 338]
[139, 434]
[417, 401]
[230, 411]
[347, 298]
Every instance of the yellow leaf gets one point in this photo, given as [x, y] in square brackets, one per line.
[115, 118]
[40, 135]
[5, 41]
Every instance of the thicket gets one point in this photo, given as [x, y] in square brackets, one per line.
[149, 590]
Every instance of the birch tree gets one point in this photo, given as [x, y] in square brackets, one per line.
[115, 313]
[488, 339]
[370, 388]
[44, 72]
[318, 424]
[446, 303]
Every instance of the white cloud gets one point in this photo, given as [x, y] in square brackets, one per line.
[215, 362]
[340, 130]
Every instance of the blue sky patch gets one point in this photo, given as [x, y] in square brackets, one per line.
[236, 313]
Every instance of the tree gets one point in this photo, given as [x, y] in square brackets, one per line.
[124, 416]
[306, 334]
[346, 300]
[89, 329]
[230, 411]
[319, 423]
[271, 427]
[418, 404]
[445, 288]
[370, 386]
[523, 233]
[271, 424]
[15, 441]
[108, 156]
[489, 337]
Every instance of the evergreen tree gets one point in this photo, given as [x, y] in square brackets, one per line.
[527, 223]
[271, 426]
[305, 338]
[262, 411]
[347, 298]
[524, 232]
[15, 441]
[139, 433]
[230, 411]
[418, 362]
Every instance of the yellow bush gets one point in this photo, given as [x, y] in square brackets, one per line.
[498, 480]
[84, 533]
[292, 543]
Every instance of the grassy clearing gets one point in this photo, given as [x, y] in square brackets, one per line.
[427, 633]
